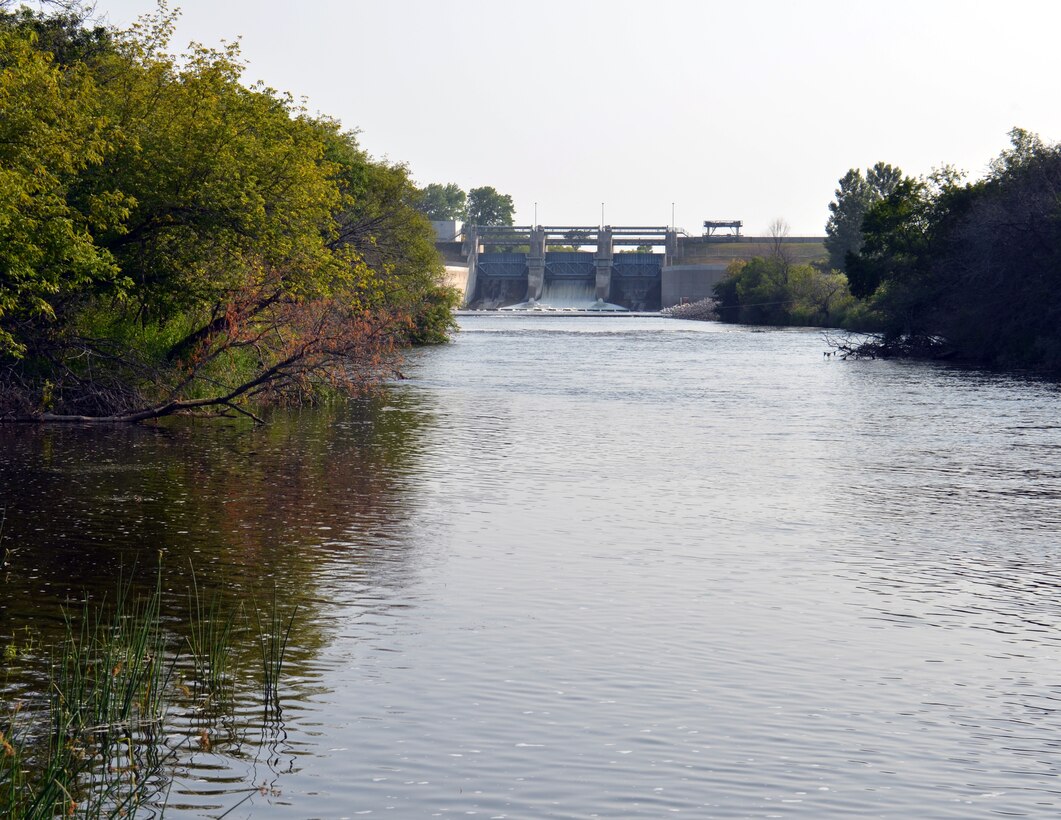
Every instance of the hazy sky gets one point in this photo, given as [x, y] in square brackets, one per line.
[742, 110]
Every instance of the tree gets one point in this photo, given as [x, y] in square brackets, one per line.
[778, 231]
[902, 267]
[69, 34]
[772, 291]
[819, 298]
[1027, 149]
[856, 194]
[968, 270]
[883, 179]
[754, 292]
[442, 202]
[577, 238]
[1000, 261]
[172, 241]
[48, 139]
[486, 206]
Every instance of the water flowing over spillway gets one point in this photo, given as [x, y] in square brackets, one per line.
[579, 566]
[567, 295]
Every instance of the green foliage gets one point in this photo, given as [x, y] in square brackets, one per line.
[68, 34]
[433, 321]
[819, 298]
[905, 234]
[855, 196]
[578, 238]
[227, 181]
[769, 291]
[486, 206]
[975, 265]
[380, 231]
[48, 138]
[480, 206]
[439, 202]
[168, 233]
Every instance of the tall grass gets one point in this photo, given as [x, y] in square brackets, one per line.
[95, 745]
[106, 693]
[274, 632]
[210, 641]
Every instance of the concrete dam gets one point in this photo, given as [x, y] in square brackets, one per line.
[592, 268]
[514, 267]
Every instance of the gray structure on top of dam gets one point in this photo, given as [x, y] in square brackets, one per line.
[598, 268]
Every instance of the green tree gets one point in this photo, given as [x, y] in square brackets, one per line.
[441, 202]
[69, 34]
[380, 225]
[754, 292]
[486, 206]
[49, 136]
[172, 240]
[818, 298]
[901, 269]
[577, 238]
[855, 196]
[773, 291]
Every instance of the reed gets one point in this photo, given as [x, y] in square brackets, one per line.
[106, 695]
[210, 641]
[274, 632]
[94, 746]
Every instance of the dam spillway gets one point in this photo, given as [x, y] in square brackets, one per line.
[513, 268]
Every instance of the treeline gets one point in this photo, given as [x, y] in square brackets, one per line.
[478, 206]
[775, 290]
[970, 269]
[174, 241]
[940, 266]
[771, 290]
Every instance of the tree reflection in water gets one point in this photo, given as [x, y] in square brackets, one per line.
[253, 512]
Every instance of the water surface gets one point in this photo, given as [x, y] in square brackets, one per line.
[603, 567]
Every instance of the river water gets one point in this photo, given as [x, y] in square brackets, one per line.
[600, 567]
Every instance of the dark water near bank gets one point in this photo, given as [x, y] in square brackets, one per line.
[601, 567]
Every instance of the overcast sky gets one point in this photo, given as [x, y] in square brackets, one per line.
[734, 110]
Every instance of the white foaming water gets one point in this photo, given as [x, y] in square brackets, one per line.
[567, 295]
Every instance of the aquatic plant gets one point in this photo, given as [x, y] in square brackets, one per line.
[98, 742]
[209, 640]
[106, 687]
[274, 633]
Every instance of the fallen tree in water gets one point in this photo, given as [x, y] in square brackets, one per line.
[882, 346]
[285, 354]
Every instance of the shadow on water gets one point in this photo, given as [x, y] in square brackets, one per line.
[257, 514]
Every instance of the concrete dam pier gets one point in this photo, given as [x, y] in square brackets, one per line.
[593, 268]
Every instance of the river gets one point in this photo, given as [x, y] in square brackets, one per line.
[599, 567]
